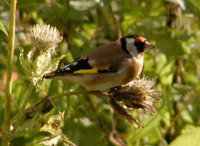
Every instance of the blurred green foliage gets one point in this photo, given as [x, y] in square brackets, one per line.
[173, 26]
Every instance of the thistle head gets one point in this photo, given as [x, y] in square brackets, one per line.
[139, 94]
[45, 37]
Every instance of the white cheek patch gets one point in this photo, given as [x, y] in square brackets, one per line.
[131, 47]
[129, 42]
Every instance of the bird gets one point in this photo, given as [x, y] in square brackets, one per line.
[111, 65]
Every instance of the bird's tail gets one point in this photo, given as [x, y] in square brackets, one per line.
[69, 77]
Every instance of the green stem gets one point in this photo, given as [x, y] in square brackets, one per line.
[27, 97]
[75, 93]
[18, 120]
[6, 140]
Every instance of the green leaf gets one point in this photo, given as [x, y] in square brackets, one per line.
[67, 141]
[41, 64]
[2, 28]
[49, 141]
[168, 45]
[195, 3]
[190, 138]
[25, 60]
[52, 124]
[55, 140]
[151, 124]
[190, 77]
[166, 74]
[46, 63]
[35, 68]
[165, 69]
[31, 120]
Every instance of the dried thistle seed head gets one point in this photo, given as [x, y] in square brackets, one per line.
[139, 94]
[45, 37]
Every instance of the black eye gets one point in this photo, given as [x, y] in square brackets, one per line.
[139, 46]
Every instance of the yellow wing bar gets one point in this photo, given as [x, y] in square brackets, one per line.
[87, 71]
[90, 71]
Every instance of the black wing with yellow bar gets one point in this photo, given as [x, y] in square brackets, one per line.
[81, 65]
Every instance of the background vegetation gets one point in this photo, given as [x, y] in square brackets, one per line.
[173, 26]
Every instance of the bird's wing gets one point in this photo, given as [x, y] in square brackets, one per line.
[108, 57]
[80, 65]
[105, 59]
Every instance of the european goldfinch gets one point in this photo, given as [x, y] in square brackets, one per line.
[114, 64]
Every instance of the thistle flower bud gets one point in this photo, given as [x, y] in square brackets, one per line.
[40, 59]
[45, 37]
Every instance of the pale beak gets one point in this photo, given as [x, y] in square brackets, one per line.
[148, 46]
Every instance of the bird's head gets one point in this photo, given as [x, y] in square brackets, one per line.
[135, 45]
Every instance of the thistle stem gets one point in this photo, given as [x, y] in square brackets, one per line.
[27, 97]
[75, 93]
[6, 139]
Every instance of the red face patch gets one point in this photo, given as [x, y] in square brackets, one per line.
[140, 39]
